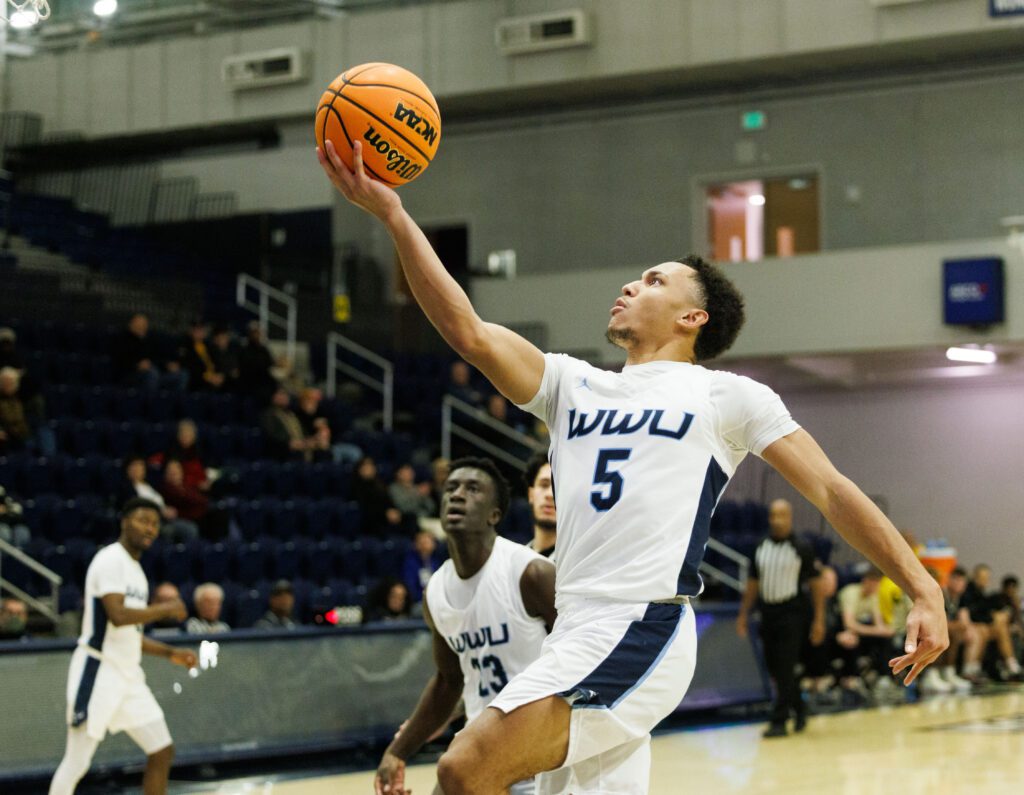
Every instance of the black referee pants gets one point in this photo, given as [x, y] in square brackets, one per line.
[784, 629]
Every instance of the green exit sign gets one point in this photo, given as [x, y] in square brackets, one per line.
[752, 120]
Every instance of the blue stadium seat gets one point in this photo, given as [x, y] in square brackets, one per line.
[213, 562]
[318, 564]
[353, 560]
[78, 476]
[317, 519]
[177, 563]
[248, 607]
[39, 512]
[283, 520]
[284, 563]
[250, 562]
[69, 521]
[342, 591]
[387, 557]
[160, 405]
[62, 562]
[69, 597]
[286, 480]
[38, 476]
[348, 518]
[251, 519]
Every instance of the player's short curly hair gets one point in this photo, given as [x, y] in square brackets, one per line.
[533, 467]
[724, 305]
[136, 503]
[502, 491]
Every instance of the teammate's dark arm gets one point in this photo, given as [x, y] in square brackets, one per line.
[818, 599]
[183, 657]
[799, 459]
[537, 586]
[119, 615]
[435, 707]
[746, 605]
[511, 363]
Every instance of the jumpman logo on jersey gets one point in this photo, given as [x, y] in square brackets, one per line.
[583, 383]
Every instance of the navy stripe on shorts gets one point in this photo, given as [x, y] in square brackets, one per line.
[631, 661]
[85, 687]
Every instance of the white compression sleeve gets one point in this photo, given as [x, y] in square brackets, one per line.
[75, 764]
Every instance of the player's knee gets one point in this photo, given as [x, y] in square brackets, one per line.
[456, 769]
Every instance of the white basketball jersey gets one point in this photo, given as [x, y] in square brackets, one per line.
[493, 636]
[639, 460]
[113, 570]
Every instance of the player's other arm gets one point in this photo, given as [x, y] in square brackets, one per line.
[746, 605]
[803, 463]
[183, 657]
[119, 615]
[511, 363]
[435, 707]
[537, 588]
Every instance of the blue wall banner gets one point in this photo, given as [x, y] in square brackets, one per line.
[973, 291]
[1005, 8]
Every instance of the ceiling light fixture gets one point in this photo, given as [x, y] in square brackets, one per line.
[972, 355]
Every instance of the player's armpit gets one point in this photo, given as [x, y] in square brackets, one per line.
[513, 364]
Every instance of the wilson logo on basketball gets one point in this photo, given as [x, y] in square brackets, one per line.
[416, 123]
[397, 162]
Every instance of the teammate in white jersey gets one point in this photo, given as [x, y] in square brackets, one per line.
[640, 459]
[107, 688]
[489, 609]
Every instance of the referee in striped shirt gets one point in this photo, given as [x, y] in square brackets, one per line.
[783, 571]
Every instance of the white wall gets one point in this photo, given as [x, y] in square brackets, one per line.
[948, 461]
[853, 300]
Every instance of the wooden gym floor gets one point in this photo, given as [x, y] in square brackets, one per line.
[942, 746]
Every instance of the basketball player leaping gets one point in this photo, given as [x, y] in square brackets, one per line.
[489, 609]
[107, 688]
[640, 459]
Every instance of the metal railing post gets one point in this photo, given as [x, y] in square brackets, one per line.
[446, 430]
[389, 397]
[287, 322]
[385, 385]
[450, 428]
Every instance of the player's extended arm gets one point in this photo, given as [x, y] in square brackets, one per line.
[511, 363]
[746, 605]
[803, 463]
[183, 657]
[119, 615]
[537, 587]
[433, 711]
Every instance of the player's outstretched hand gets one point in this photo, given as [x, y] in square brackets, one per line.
[390, 778]
[927, 637]
[186, 658]
[353, 183]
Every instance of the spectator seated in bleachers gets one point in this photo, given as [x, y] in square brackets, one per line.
[864, 640]
[226, 358]
[411, 498]
[189, 502]
[379, 514]
[460, 384]
[317, 428]
[135, 358]
[198, 361]
[388, 601]
[960, 632]
[174, 527]
[255, 366]
[284, 434]
[163, 593]
[9, 354]
[281, 606]
[1009, 599]
[992, 625]
[13, 529]
[22, 419]
[13, 619]
[208, 600]
[439, 470]
[420, 562]
[185, 449]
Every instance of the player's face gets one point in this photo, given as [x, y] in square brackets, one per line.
[468, 502]
[140, 529]
[650, 307]
[542, 497]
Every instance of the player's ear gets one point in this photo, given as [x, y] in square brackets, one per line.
[495, 516]
[692, 319]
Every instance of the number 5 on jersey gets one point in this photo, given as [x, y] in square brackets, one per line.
[606, 476]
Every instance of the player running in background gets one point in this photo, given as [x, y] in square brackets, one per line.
[107, 688]
[640, 459]
[541, 496]
[489, 608]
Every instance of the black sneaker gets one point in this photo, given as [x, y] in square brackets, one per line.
[800, 723]
[775, 730]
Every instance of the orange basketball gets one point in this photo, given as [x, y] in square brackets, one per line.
[391, 111]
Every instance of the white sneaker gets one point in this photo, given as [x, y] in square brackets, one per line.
[958, 683]
[932, 682]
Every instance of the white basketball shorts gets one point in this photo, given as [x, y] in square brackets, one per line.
[623, 667]
[105, 698]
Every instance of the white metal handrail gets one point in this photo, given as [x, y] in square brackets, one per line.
[737, 584]
[450, 405]
[268, 317]
[48, 574]
[385, 384]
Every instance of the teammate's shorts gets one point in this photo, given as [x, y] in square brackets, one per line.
[622, 667]
[105, 698]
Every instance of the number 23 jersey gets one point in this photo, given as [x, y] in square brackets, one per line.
[483, 620]
[639, 460]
